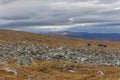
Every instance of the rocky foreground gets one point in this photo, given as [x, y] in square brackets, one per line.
[26, 54]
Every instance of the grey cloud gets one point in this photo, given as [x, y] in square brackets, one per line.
[108, 1]
[6, 1]
[51, 1]
[27, 13]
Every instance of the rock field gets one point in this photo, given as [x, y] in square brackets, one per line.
[26, 54]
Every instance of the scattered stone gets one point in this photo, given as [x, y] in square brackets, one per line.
[11, 70]
[101, 73]
[83, 59]
[3, 63]
[24, 61]
[71, 71]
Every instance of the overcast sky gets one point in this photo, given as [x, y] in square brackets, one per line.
[61, 15]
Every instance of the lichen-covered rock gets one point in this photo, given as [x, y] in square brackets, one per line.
[11, 70]
[71, 71]
[26, 54]
[24, 61]
[3, 63]
[100, 73]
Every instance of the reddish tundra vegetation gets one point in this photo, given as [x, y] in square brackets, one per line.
[56, 70]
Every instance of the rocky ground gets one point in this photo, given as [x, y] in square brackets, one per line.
[25, 54]
[42, 62]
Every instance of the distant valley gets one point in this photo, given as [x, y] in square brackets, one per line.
[89, 36]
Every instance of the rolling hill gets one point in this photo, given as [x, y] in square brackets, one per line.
[29, 56]
[10, 36]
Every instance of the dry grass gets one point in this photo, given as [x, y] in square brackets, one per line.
[49, 70]
[9, 36]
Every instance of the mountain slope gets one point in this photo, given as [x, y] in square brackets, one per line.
[10, 36]
[38, 62]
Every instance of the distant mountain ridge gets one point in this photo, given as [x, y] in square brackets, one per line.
[89, 36]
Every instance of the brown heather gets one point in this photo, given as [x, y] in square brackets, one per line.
[55, 70]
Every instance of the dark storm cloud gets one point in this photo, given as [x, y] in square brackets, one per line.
[31, 13]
